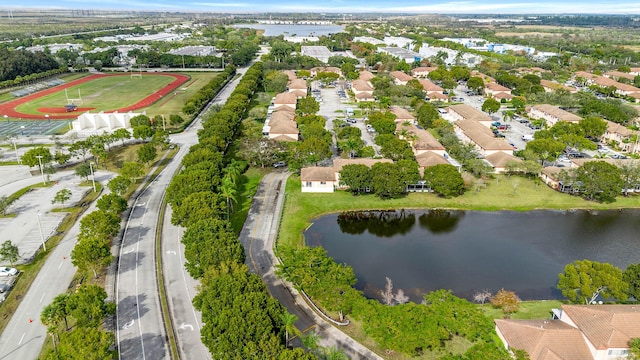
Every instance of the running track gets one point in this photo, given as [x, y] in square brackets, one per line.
[8, 108]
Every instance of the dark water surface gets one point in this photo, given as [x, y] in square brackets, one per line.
[467, 251]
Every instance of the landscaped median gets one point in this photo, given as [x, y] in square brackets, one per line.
[445, 324]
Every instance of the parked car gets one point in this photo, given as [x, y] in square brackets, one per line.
[279, 164]
[496, 123]
[504, 127]
[351, 120]
[7, 271]
[618, 156]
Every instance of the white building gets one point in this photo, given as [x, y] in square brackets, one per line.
[103, 122]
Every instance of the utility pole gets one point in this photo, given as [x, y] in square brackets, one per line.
[41, 169]
[93, 177]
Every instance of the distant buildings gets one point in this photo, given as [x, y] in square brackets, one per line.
[321, 53]
[401, 53]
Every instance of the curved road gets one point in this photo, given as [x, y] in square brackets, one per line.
[258, 237]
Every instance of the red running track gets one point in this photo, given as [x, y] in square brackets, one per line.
[9, 108]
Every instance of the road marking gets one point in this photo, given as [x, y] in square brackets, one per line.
[171, 252]
[42, 297]
[184, 326]
[141, 204]
[21, 338]
[59, 266]
[128, 325]
[128, 251]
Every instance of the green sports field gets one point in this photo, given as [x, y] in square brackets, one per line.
[102, 94]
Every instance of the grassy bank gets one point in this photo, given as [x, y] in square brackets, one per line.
[503, 193]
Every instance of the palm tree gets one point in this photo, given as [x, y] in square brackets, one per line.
[507, 115]
[310, 341]
[351, 145]
[288, 320]
[228, 190]
[333, 353]
[233, 170]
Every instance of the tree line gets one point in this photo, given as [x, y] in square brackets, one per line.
[242, 321]
[197, 101]
[15, 63]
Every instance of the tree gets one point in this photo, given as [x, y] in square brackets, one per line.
[546, 148]
[475, 83]
[601, 181]
[81, 147]
[387, 293]
[508, 301]
[62, 197]
[630, 175]
[228, 190]
[53, 314]
[275, 81]
[119, 185]
[490, 105]
[356, 176]
[387, 180]
[593, 126]
[519, 103]
[482, 297]
[113, 203]
[634, 344]
[631, 276]
[132, 171]
[85, 344]
[122, 134]
[288, 322]
[444, 179]
[30, 157]
[9, 252]
[198, 206]
[91, 253]
[88, 307]
[307, 105]
[83, 170]
[585, 280]
[146, 153]
[143, 132]
[99, 224]
[5, 202]
[61, 158]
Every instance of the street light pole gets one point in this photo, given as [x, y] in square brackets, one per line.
[41, 169]
[15, 147]
[93, 177]
[44, 246]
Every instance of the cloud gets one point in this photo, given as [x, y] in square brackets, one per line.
[227, 5]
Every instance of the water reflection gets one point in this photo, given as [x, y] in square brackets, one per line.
[440, 220]
[468, 251]
[379, 223]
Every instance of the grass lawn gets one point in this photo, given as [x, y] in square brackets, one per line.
[104, 94]
[247, 187]
[529, 310]
[173, 104]
[503, 193]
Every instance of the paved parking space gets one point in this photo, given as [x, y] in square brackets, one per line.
[31, 128]
[33, 213]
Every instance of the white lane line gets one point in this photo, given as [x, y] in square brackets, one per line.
[42, 297]
[59, 266]
[21, 338]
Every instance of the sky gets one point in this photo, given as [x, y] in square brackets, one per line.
[347, 6]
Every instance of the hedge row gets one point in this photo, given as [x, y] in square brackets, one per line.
[197, 101]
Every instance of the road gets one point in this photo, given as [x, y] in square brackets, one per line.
[140, 331]
[24, 335]
[258, 236]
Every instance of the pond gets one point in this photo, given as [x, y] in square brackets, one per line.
[466, 251]
[294, 30]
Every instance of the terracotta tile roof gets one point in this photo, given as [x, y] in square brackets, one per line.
[339, 163]
[298, 93]
[619, 74]
[428, 159]
[617, 162]
[424, 140]
[317, 173]
[437, 95]
[544, 339]
[496, 87]
[283, 127]
[615, 128]
[501, 159]
[429, 86]
[557, 112]
[606, 326]
[556, 86]
[400, 76]
[286, 99]
[284, 138]
[364, 96]
[366, 75]
[482, 135]
[584, 74]
[502, 95]
[282, 115]
[361, 85]
[470, 125]
[469, 112]
[401, 114]
[298, 84]
[485, 78]
[291, 74]
[552, 171]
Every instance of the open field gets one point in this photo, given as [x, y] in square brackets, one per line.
[173, 103]
[99, 92]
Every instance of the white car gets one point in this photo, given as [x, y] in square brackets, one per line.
[7, 271]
